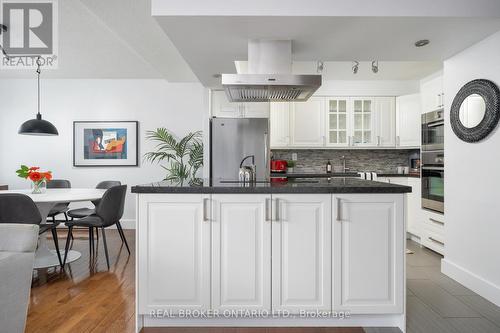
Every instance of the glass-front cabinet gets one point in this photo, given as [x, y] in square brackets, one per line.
[337, 121]
[362, 120]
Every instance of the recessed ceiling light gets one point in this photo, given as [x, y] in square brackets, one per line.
[422, 42]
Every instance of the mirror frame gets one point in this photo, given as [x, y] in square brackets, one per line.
[491, 95]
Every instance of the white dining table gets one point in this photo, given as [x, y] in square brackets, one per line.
[44, 257]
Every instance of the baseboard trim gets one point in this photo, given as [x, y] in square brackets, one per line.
[128, 223]
[477, 284]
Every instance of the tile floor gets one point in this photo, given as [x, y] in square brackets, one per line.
[436, 303]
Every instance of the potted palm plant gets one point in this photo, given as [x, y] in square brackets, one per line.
[185, 156]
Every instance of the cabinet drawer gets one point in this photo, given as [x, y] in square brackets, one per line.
[433, 241]
[434, 225]
[434, 222]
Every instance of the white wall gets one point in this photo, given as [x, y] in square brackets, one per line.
[368, 88]
[472, 197]
[180, 107]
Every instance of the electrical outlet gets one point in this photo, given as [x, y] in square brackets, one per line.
[294, 156]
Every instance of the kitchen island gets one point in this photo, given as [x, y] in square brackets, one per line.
[322, 252]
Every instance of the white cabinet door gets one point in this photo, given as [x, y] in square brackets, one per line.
[414, 207]
[280, 124]
[174, 252]
[256, 110]
[363, 122]
[302, 252]
[307, 123]
[337, 121]
[368, 253]
[408, 120]
[241, 252]
[222, 108]
[386, 121]
[432, 95]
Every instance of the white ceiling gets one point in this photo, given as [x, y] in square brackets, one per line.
[210, 44]
[388, 70]
[112, 39]
[318, 8]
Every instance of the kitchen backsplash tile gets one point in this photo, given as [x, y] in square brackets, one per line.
[380, 160]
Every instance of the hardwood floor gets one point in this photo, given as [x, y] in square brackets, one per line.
[87, 297]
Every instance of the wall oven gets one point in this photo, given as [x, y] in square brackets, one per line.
[433, 180]
[433, 130]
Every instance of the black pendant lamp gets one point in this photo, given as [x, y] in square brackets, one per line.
[38, 126]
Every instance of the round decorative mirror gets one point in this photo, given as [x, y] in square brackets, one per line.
[475, 111]
[472, 111]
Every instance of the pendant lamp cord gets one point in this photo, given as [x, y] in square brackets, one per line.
[38, 71]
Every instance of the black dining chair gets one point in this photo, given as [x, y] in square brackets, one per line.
[80, 213]
[60, 208]
[19, 208]
[108, 212]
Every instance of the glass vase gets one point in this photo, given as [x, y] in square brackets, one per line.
[38, 187]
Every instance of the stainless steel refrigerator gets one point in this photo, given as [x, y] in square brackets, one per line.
[231, 140]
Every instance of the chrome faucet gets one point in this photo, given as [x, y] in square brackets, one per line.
[343, 165]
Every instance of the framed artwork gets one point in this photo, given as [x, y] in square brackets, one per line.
[105, 143]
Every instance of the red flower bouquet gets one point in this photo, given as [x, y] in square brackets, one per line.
[38, 177]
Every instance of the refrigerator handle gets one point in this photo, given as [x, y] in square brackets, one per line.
[266, 152]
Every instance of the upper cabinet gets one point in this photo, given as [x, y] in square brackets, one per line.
[307, 123]
[280, 124]
[386, 121]
[362, 120]
[431, 93]
[408, 110]
[336, 122]
[337, 119]
[222, 108]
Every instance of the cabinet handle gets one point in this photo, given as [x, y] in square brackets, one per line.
[398, 141]
[339, 215]
[268, 218]
[205, 205]
[266, 153]
[378, 140]
[277, 208]
[435, 241]
[435, 221]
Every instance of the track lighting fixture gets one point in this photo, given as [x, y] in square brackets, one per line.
[3, 28]
[355, 67]
[319, 67]
[375, 66]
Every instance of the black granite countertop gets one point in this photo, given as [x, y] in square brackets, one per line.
[338, 174]
[303, 185]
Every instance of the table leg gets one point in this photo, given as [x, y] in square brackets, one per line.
[44, 257]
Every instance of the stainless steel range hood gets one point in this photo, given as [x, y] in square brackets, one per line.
[269, 87]
[269, 76]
